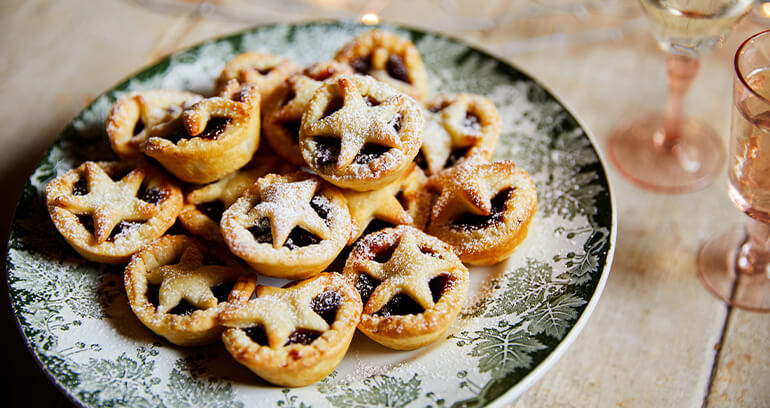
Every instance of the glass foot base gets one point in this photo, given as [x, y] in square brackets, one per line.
[692, 164]
[717, 268]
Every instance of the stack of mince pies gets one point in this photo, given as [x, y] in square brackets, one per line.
[342, 177]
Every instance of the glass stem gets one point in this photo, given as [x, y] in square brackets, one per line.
[754, 256]
[681, 71]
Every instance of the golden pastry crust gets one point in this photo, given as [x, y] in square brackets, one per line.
[107, 220]
[289, 317]
[306, 329]
[394, 203]
[169, 286]
[265, 71]
[211, 139]
[390, 59]
[412, 286]
[204, 206]
[359, 133]
[457, 127]
[484, 209]
[290, 226]
[132, 116]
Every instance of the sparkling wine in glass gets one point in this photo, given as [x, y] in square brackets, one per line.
[735, 266]
[667, 152]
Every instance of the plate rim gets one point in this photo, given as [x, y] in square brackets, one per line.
[509, 395]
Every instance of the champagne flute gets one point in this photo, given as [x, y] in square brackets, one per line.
[735, 266]
[668, 152]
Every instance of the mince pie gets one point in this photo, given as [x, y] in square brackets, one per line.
[390, 59]
[296, 335]
[483, 210]
[211, 139]
[411, 283]
[108, 210]
[457, 127]
[283, 112]
[132, 116]
[204, 206]
[265, 71]
[177, 287]
[288, 226]
[359, 133]
[395, 204]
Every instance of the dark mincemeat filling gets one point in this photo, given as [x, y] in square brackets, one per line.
[88, 223]
[288, 97]
[400, 305]
[401, 197]
[322, 206]
[439, 285]
[327, 150]
[151, 195]
[120, 229]
[472, 123]
[263, 71]
[370, 101]
[138, 127]
[370, 152]
[184, 307]
[438, 108]
[326, 305]
[302, 336]
[257, 335]
[396, 123]
[298, 237]
[292, 128]
[80, 187]
[215, 127]
[365, 286]
[420, 160]
[470, 221]
[153, 294]
[176, 134]
[334, 105]
[262, 232]
[222, 291]
[119, 174]
[396, 68]
[211, 260]
[212, 209]
[362, 65]
[455, 156]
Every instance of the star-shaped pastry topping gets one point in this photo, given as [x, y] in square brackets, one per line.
[190, 280]
[109, 202]
[468, 187]
[357, 123]
[303, 88]
[408, 271]
[279, 311]
[286, 204]
[231, 187]
[444, 131]
[381, 204]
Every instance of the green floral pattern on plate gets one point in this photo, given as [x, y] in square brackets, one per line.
[78, 323]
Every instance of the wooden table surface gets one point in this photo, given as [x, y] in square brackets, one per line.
[657, 337]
